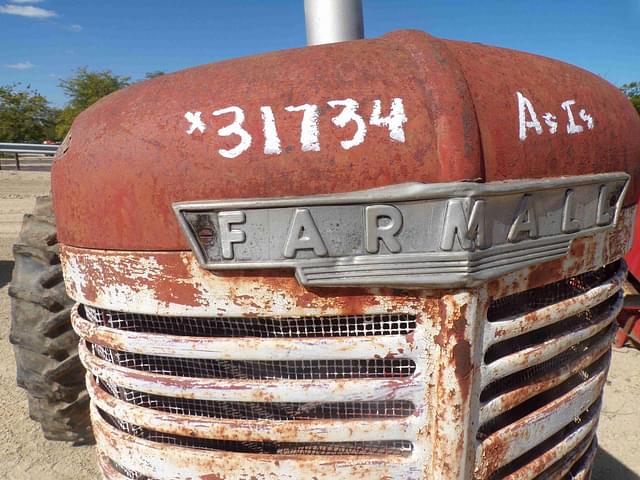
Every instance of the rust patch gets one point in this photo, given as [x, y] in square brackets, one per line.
[493, 453]
[463, 366]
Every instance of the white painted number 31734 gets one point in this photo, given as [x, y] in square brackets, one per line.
[309, 136]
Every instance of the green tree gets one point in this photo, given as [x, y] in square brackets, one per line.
[84, 89]
[632, 90]
[25, 115]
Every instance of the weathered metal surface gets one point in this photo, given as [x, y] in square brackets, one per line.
[448, 346]
[248, 348]
[224, 131]
[455, 406]
[550, 348]
[584, 255]
[579, 441]
[443, 434]
[629, 318]
[172, 283]
[144, 139]
[107, 469]
[577, 379]
[340, 390]
[440, 346]
[517, 438]
[520, 324]
[586, 462]
[515, 397]
[325, 430]
[555, 92]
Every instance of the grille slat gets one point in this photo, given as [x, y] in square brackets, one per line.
[539, 401]
[536, 373]
[571, 325]
[520, 387]
[369, 448]
[260, 370]
[285, 411]
[537, 298]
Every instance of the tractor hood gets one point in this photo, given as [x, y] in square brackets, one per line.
[330, 119]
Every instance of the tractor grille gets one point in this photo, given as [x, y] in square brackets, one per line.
[275, 329]
[546, 355]
[286, 386]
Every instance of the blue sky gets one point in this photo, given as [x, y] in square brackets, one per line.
[42, 41]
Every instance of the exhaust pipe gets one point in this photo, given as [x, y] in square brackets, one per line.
[331, 21]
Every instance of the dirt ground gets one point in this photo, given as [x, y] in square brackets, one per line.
[25, 455]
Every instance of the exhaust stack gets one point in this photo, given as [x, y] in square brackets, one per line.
[331, 21]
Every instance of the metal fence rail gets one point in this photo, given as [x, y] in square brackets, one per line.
[29, 148]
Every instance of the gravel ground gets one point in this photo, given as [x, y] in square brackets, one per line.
[26, 455]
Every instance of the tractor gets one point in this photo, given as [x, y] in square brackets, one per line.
[389, 258]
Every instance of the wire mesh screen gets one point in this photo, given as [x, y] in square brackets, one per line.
[544, 370]
[544, 398]
[260, 370]
[263, 327]
[128, 473]
[533, 299]
[599, 314]
[281, 411]
[387, 447]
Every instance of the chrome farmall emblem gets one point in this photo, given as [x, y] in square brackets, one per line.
[410, 234]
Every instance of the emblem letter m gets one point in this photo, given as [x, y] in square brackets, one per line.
[468, 229]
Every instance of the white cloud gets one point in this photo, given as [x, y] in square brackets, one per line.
[27, 11]
[75, 28]
[21, 65]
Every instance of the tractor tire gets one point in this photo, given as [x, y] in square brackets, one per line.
[44, 343]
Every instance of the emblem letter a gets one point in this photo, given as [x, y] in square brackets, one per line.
[304, 235]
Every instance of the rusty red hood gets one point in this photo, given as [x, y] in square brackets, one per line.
[402, 108]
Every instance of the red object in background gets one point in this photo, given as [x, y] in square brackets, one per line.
[629, 317]
[633, 257]
[629, 325]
